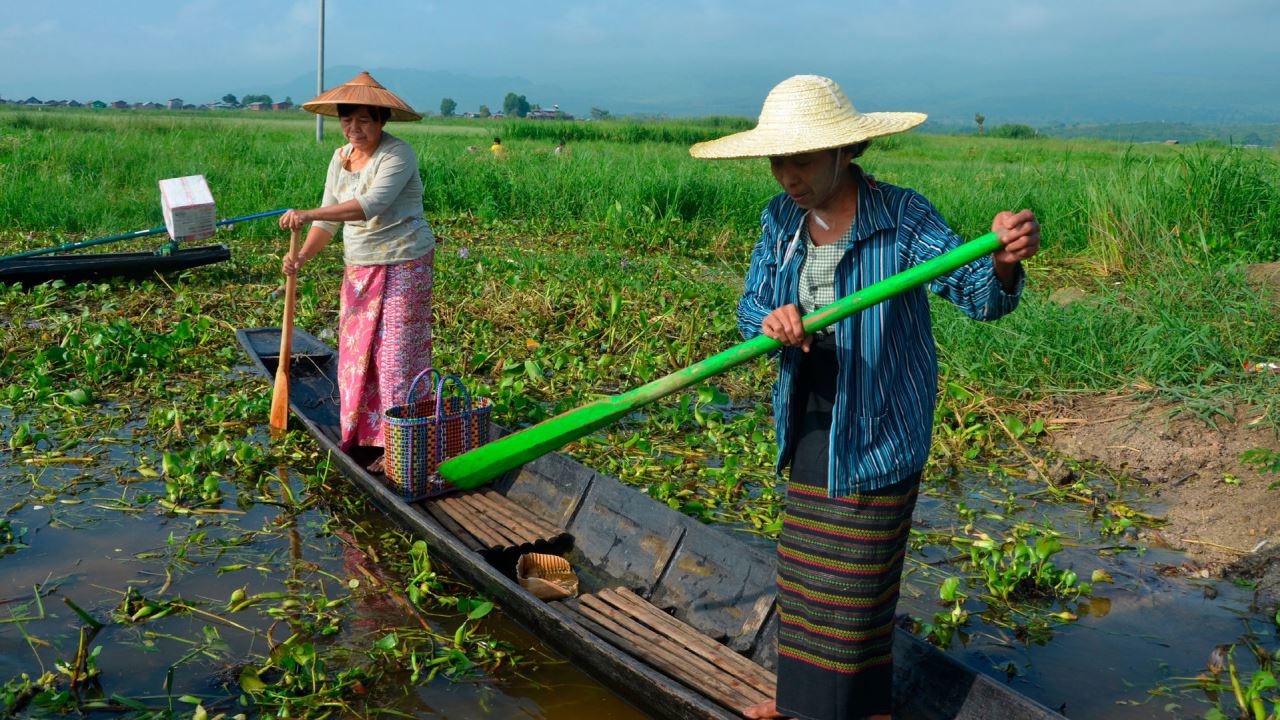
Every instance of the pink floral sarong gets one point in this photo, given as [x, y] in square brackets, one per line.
[384, 329]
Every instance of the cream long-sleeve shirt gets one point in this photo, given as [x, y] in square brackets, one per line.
[389, 191]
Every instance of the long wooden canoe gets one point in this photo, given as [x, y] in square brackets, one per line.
[677, 616]
[31, 271]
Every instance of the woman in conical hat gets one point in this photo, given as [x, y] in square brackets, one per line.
[374, 194]
[853, 408]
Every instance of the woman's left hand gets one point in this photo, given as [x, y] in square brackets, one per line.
[1019, 235]
[294, 219]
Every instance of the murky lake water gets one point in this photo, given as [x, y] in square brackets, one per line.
[1148, 629]
[92, 555]
[88, 537]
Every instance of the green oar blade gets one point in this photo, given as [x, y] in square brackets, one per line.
[485, 463]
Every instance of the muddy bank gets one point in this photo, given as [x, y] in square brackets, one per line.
[1263, 569]
[1219, 509]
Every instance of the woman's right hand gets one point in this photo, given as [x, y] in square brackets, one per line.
[294, 219]
[290, 266]
[784, 325]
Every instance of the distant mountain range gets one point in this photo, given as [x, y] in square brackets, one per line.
[1046, 101]
[1086, 97]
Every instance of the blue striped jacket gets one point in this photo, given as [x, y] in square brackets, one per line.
[882, 422]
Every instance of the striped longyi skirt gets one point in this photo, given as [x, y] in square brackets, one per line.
[839, 566]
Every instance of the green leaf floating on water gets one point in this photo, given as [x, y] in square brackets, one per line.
[480, 610]
[79, 397]
[948, 590]
[250, 682]
[533, 370]
[713, 395]
[169, 463]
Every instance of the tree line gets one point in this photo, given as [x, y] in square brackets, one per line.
[513, 105]
[250, 99]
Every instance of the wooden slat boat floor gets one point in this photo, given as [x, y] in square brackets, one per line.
[640, 629]
[484, 520]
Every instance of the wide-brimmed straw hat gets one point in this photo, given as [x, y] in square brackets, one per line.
[802, 114]
[360, 90]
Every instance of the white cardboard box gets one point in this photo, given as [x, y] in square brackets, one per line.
[189, 212]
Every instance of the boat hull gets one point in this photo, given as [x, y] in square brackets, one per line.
[74, 269]
[705, 577]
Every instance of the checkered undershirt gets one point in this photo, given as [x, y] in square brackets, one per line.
[818, 273]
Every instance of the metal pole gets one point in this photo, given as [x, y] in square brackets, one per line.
[129, 236]
[320, 75]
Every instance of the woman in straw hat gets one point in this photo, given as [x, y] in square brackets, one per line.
[373, 191]
[853, 407]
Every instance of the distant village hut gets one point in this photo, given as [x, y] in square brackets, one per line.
[553, 114]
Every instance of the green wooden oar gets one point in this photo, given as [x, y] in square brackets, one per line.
[485, 463]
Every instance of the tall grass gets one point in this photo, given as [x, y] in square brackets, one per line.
[1154, 234]
[1118, 208]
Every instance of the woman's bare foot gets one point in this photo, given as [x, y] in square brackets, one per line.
[378, 465]
[766, 709]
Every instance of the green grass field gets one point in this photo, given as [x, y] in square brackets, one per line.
[559, 279]
[1155, 233]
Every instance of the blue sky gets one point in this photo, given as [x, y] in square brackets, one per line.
[1029, 59]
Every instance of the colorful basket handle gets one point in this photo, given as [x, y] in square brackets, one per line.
[464, 413]
[435, 385]
[440, 384]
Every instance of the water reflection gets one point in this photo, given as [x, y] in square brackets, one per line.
[1147, 631]
[91, 538]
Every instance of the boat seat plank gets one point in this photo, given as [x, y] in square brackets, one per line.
[486, 520]
[681, 633]
[667, 659]
[630, 623]
[454, 528]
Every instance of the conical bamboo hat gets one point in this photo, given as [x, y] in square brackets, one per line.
[360, 90]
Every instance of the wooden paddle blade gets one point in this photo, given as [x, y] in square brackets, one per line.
[483, 464]
[280, 399]
[280, 395]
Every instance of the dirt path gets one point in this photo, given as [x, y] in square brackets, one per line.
[1219, 509]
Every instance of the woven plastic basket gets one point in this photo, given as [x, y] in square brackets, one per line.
[425, 432]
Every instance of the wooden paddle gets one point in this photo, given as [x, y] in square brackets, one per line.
[485, 463]
[280, 397]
